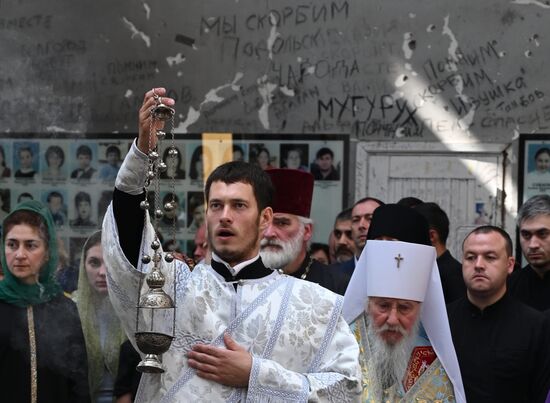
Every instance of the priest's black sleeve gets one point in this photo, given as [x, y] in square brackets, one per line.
[129, 219]
[503, 351]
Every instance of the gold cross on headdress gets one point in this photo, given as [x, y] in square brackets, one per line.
[398, 258]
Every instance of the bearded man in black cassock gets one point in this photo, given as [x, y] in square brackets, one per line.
[285, 242]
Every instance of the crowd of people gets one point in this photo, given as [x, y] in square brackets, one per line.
[380, 313]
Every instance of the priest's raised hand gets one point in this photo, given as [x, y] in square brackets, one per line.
[288, 340]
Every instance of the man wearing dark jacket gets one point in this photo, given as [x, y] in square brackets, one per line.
[531, 284]
[501, 343]
[450, 269]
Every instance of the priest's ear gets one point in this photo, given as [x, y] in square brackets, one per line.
[266, 216]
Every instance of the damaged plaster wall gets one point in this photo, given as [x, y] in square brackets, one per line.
[376, 70]
[443, 71]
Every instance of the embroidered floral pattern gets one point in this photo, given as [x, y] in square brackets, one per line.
[294, 322]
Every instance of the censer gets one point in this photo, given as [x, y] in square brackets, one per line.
[156, 310]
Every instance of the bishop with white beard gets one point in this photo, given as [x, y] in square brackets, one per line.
[395, 307]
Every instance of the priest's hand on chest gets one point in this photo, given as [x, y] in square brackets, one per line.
[229, 366]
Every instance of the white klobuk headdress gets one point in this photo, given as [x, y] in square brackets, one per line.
[398, 269]
[404, 270]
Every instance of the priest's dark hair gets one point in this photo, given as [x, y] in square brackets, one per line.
[436, 217]
[239, 171]
[535, 206]
[487, 229]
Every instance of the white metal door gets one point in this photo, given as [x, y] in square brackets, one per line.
[465, 184]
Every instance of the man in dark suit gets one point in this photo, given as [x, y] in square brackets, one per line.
[531, 284]
[501, 343]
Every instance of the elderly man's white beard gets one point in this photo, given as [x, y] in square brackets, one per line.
[389, 362]
[288, 252]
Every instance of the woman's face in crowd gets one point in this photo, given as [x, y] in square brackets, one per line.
[95, 269]
[25, 252]
[543, 162]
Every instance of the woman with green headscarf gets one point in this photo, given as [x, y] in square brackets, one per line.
[42, 352]
[102, 330]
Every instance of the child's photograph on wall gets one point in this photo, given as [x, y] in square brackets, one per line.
[534, 170]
